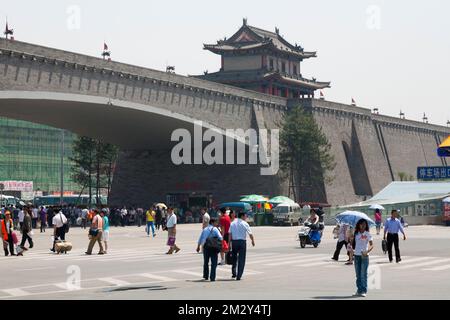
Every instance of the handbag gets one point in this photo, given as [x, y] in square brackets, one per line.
[14, 238]
[213, 243]
[65, 225]
[171, 241]
[93, 232]
[229, 258]
[384, 246]
[225, 247]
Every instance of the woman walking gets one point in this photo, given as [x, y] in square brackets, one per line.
[362, 245]
[378, 220]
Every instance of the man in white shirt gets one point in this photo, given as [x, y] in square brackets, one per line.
[123, 216]
[21, 217]
[34, 217]
[171, 226]
[84, 214]
[239, 229]
[205, 218]
[59, 231]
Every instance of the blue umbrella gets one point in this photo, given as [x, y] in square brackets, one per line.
[352, 218]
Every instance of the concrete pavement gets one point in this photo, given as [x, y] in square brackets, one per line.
[277, 268]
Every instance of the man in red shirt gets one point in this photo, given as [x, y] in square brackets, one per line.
[224, 223]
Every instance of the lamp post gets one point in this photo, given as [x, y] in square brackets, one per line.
[2, 187]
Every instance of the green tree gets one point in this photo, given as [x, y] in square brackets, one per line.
[403, 176]
[304, 154]
[106, 156]
[83, 155]
[94, 162]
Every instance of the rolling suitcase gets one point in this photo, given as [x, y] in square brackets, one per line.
[63, 246]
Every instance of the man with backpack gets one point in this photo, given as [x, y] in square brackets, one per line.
[211, 240]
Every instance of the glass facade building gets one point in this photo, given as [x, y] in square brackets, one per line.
[32, 152]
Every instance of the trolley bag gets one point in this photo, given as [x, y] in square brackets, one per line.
[67, 246]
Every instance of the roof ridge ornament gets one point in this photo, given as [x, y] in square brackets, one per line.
[244, 21]
[277, 31]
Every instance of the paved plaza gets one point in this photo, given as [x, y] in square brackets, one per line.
[136, 267]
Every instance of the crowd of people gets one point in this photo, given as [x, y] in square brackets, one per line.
[15, 221]
[225, 236]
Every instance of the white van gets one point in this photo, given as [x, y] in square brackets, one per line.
[287, 214]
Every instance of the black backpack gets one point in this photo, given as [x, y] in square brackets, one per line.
[213, 243]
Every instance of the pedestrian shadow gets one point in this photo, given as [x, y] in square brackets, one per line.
[225, 280]
[335, 297]
[206, 281]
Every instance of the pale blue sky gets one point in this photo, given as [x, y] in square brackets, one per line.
[403, 64]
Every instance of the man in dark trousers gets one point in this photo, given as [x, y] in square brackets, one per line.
[59, 228]
[26, 229]
[239, 229]
[392, 227]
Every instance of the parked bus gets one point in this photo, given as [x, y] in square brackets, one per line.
[68, 200]
[10, 200]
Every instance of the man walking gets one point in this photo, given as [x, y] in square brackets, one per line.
[209, 251]
[59, 222]
[96, 233]
[342, 241]
[15, 213]
[139, 216]
[34, 217]
[205, 218]
[172, 231]
[43, 219]
[21, 217]
[158, 218]
[239, 229]
[392, 227]
[27, 227]
[84, 215]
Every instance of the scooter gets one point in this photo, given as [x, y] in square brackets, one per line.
[310, 235]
